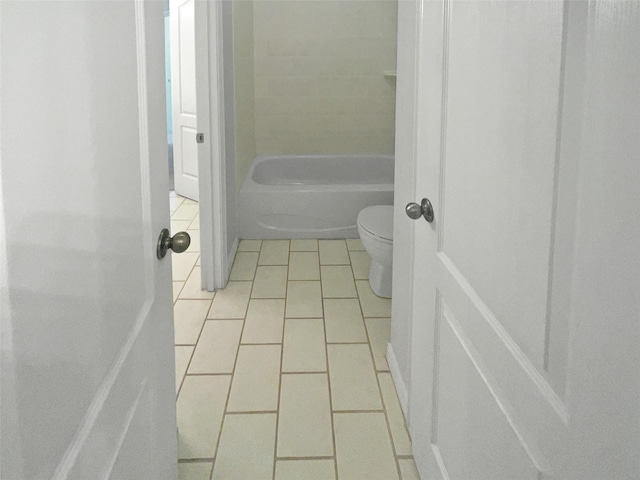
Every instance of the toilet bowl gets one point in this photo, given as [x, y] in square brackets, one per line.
[375, 227]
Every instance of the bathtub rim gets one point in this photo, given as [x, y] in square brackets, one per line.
[250, 183]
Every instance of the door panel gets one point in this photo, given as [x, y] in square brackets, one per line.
[470, 415]
[493, 273]
[498, 159]
[87, 356]
[494, 413]
[188, 153]
[183, 92]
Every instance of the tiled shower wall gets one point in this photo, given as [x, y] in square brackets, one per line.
[318, 73]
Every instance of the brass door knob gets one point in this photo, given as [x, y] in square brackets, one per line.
[178, 243]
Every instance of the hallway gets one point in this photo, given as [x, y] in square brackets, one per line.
[283, 375]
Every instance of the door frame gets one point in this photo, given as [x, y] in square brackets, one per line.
[211, 153]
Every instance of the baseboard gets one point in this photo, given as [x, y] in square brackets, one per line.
[401, 389]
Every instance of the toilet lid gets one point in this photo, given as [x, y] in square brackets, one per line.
[378, 221]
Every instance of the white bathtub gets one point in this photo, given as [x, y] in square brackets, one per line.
[312, 196]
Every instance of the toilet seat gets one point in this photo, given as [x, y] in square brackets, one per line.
[377, 221]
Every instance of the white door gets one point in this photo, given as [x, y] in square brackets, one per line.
[87, 336]
[183, 93]
[525, 331]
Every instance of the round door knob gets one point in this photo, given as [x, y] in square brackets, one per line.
[425, 209]
[178, 243]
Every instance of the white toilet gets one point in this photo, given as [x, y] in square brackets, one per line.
[375, 227]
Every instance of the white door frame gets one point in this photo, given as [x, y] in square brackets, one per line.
[211, 153]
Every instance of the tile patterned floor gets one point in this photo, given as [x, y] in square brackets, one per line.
[282, 375]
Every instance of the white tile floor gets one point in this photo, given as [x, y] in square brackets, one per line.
[283, 375]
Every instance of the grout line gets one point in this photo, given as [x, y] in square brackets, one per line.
[284, 314]
[315, 372]
[326, 354]
[376, 410]
[293, 279]
[252, 412]
[215, 374]
[195, 460]
[406, 457]
[197, 300]
[325, 457]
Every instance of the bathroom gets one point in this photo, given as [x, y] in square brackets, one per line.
[314, 105]
[514, 322]
[309, 110]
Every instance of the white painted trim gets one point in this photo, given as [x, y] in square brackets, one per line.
[401, 389]
[211, 158]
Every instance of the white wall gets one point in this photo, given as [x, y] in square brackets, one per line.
[245, 143]
[319, 84]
